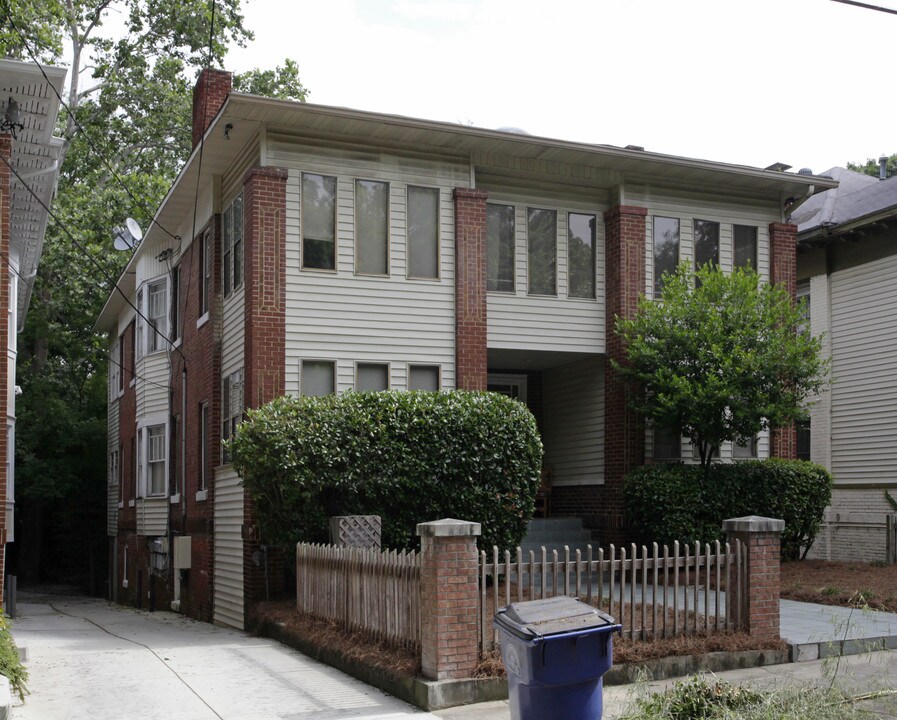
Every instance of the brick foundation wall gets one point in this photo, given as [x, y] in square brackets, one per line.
[211, 90]
[470, 289]
[264, 351]
[200, 353]
[624, 432]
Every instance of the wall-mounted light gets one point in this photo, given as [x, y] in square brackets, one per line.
[12, 121]
[227, 129]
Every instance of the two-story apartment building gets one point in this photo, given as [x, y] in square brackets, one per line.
[323, 249]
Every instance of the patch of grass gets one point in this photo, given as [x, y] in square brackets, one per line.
[700, 698]
[828, 590]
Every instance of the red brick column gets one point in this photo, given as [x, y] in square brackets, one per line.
[211, 90]
[783, 270]
[264, 349]
[624, 430]
[761, 539]
[470, 289]
[6, 152]
[448, 592]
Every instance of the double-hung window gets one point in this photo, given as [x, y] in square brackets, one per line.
[205, 272]
[706, 243]
[744, 246]
[115, 370]
[232, 245]
[231, 407]
[152, 317]
[423, 232]
[666, 250]
[541, 227]
[318, 222]
[203, 446]
[152, 460]
[500, 237]
[371, 227]
[175, 300]
[581, 255]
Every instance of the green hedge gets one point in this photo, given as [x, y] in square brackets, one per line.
[674, 502]
[409, 457]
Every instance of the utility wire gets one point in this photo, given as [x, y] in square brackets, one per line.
[90, 257]
[106, 163]
[868, 6]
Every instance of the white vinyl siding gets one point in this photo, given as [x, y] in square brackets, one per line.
[864, 371]
[228, 549]
[821, 409]
[573, 408]
[151, 384]
[349, 318]
[518, 321]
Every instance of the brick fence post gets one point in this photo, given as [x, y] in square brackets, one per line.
[761, 540]
[448, 593]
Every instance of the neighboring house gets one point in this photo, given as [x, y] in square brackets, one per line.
[27, 147]
[847, 270]
[324, 249]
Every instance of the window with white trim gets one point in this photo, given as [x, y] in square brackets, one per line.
[114, 468]
[231, 408]
[318, 222]
[205, 272]
[203, 446]
[317, 377]
[114, 370]
[542, 241]
[152, 317]
[500, 241]
[423, 232]
[423, 377]
[175, 303]
[152, 460]
[232, 245]
[371, 227]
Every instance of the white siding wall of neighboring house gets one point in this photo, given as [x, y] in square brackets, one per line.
[726, 213]
[233, 332]
[518, 321]
[853, 527]
[347, 318]
[228, 548]
[864, 372]
[821, 410]
[573, 413]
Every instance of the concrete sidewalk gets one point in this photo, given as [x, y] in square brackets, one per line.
[88, 658]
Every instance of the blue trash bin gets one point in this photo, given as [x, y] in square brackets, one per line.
[556, 652]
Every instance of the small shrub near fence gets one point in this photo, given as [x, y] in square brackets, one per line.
[671, 502]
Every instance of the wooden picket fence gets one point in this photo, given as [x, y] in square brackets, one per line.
[657, 593]
[365, 590]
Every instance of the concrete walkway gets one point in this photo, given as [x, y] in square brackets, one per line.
[90, 659]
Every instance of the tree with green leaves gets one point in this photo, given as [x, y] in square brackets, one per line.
[126, 133]
[720, 357]
[871, 167]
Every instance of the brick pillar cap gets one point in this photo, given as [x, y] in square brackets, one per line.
[753, 524]
[448, 528]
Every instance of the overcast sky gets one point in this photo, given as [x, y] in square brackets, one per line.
[809, 83]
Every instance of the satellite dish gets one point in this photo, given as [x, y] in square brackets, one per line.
[128, 237]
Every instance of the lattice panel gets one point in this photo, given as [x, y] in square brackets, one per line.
[355, 531]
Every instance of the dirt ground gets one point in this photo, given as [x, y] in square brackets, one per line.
[841, 583]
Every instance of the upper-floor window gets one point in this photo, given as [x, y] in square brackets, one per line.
[581, 255]
[706, 243]
[744, 246]
[541, 228]
[175, 303]
[803, 298]
[317, 378]
[205, 272]
[232, 245]
[318, 222]
[114, 370]
[203, 446]
[500, 238]
[371, 227]
[423, 232]
[371, 377]
[666, 250]
[152, 317]
[152, 468]
[231, 407]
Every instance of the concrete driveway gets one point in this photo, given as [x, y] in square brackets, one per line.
[90, 659]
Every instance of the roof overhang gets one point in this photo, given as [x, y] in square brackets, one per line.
[822, 234]
[36, 156]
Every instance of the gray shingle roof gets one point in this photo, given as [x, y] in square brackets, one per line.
[857, 196]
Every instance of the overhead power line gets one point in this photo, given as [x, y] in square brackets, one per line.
[868, 6]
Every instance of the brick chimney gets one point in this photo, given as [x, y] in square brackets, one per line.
[211, 90]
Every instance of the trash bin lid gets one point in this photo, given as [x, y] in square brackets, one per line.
[550, 616]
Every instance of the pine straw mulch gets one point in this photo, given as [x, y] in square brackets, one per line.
[401, 663]
[847, 584]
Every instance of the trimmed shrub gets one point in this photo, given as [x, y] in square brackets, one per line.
[665, 503]
[409, 457]
[10, 664]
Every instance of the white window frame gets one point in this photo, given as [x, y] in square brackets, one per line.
[144, 428]
[302, 213]
[205, 277]
[176, 320]
[115, 370]
[232, 406]
[437, 239]
[232, 247]
[204, 465]
[148, 340]
[387, 239]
